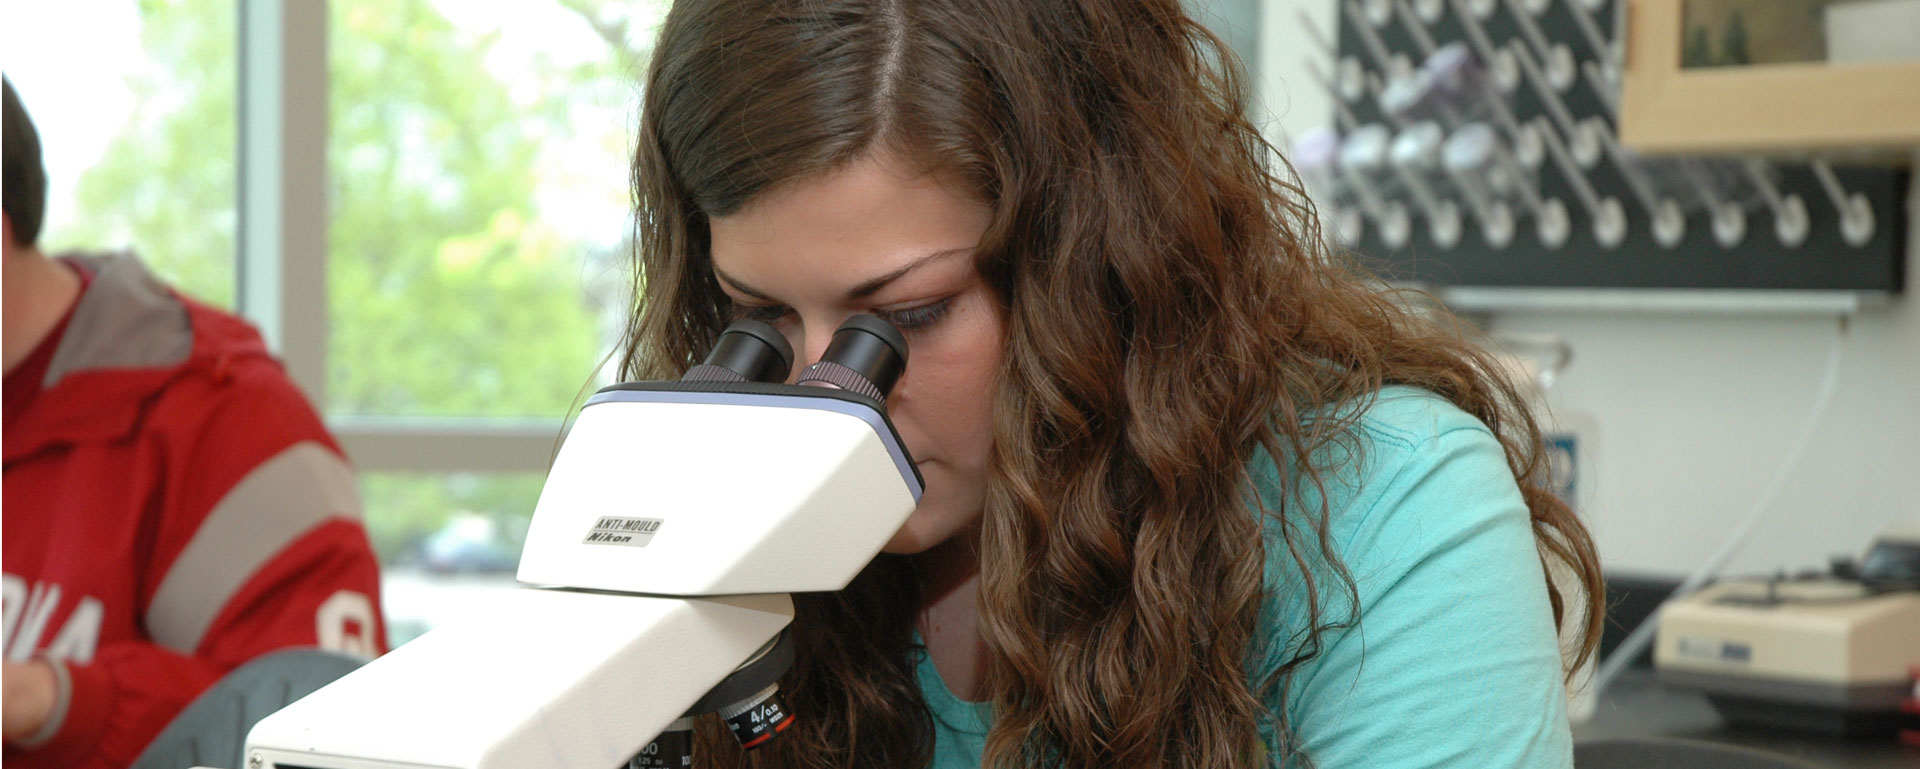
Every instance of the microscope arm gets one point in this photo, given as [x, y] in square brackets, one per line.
[552, 678]
[677, 516]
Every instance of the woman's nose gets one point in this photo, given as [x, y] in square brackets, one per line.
[808, 346]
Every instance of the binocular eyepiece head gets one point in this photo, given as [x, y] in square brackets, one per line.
[867, 355]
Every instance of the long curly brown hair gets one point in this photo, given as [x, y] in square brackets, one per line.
[1171, 314]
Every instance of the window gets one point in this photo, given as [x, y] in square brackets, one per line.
[476, 259]
[136, 130]
[476, 270]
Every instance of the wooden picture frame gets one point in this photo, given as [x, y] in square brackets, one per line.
[1764, 108]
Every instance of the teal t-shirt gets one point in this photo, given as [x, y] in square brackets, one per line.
[1454, 661]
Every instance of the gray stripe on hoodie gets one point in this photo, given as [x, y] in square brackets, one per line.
[126, 319]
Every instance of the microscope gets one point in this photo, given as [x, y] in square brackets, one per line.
[677, 518]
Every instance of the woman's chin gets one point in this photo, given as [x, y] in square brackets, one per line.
[907, 541]
[927, 528]
[922, 532]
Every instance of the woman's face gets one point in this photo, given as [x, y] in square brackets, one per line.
[871, 237]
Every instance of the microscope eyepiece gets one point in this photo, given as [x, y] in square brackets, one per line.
[867, 356]
[748, 351]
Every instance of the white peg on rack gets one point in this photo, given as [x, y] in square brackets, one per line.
[1499, 61]
[1411, 97]
[1379, 12]
[1379, 91]
[1603, 87]
[1483, 9]
[1668, 217]
[1457, 76]
[1416, 157]
[1729, 221]
[1590, 29]
[1856, 212]
[1790, 222]
[1494, 216]
[1342, 114]
[1619, 56]
[1316, 158]
[1350, 74]
[1558, 57]
[1479, 164]
[1363, 159]
[1586, 145]
[1414, 27]
[1669, 222]
[1393, 63]
[1608, 216]
[1431, 11]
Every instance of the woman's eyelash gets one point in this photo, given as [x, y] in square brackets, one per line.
[914, 318]
[910, 319]
[765, 313]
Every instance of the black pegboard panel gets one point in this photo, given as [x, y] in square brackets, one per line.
[1824, 261]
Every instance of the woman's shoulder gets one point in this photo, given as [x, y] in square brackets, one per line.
[1400, 419]
[1413, 476]
[1395, 436]
[1448, 619]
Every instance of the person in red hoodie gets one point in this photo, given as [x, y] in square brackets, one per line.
[173, 505]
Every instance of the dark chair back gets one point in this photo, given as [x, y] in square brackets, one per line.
[213, 730]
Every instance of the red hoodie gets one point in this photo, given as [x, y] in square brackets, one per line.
[173, 508]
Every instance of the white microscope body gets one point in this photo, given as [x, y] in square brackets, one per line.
[675, 520]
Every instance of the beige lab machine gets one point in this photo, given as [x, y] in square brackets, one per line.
[1831, 653]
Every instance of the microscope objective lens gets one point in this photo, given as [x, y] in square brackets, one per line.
[756, 720]
[673, 749]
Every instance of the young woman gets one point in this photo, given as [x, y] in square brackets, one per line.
[1197, 494]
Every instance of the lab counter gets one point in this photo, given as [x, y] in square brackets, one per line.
[1637, 706]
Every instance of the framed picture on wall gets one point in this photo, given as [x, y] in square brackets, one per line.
[1768, 76]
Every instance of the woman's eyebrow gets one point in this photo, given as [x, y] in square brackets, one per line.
[861, 291]
[868, 288]
[742, 287]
